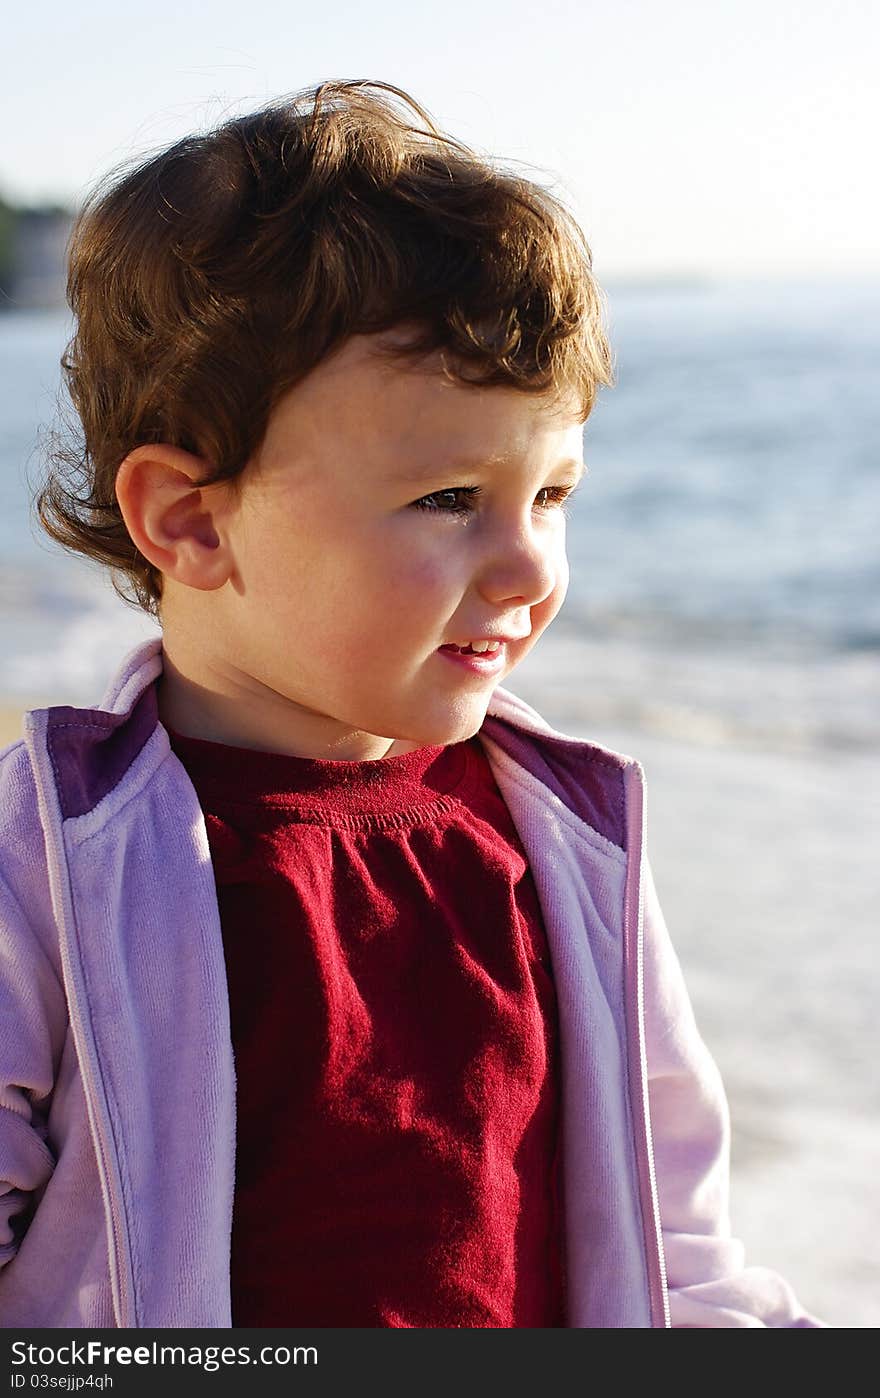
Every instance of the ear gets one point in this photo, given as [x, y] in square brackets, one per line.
[173, 521]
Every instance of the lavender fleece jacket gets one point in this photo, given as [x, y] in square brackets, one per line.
[117, 1084]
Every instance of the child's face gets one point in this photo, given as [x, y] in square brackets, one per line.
[345, 587]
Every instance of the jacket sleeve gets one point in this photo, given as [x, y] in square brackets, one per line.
[710, 1287]
[32, 1011]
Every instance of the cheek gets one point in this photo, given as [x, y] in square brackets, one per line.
[408, 579]
[382, 605]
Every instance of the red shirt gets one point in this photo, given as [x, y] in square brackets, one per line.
[395, 1039]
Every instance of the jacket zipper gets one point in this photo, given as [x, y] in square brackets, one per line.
[119, 1278]
[633, 941]
[96, 1102]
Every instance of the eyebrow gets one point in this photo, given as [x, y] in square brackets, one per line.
[422, 473]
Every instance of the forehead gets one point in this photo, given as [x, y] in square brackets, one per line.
[367, 358]
[388, 406]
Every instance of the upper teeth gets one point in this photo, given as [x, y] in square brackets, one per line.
[484, 645]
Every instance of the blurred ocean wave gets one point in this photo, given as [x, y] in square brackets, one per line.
[789, 698]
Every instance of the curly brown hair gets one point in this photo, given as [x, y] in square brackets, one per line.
[212, 277]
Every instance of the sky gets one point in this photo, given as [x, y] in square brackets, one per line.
[691, 138]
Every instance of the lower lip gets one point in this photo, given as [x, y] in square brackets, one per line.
[484, 664]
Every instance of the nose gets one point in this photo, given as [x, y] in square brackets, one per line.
[525, 564]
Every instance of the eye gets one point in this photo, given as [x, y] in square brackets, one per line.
[557, 497]
[433, 502]
[460, 499]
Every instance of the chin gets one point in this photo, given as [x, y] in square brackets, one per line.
[442, 734]
[462, 732]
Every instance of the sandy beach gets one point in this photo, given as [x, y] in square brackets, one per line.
[12, 712]
[10, 722]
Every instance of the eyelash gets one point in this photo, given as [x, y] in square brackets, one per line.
[560, 495]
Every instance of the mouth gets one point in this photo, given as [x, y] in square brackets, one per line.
[484, 645]
[487, 661]
[475, 647]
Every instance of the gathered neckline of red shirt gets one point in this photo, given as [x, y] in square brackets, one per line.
[387, 790]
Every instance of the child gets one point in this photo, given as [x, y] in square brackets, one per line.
[335, 990]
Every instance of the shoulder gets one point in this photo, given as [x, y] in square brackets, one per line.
[20, 825]
[600, 786]
[67, 760]
[25, 891]
[512, 711]
[80, 755]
